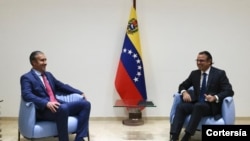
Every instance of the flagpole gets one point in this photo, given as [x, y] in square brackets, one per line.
[134, 3]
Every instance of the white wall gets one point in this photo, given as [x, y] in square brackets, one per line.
[82, 40]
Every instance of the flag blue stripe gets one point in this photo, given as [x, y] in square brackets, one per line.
[129, 58]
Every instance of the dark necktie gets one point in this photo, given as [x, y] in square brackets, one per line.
[48, 89]
[203, 87]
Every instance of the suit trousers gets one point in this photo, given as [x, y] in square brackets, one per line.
[197, 111]
[80, 109]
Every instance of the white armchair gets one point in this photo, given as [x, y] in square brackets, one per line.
[31, 129]
[228, 113]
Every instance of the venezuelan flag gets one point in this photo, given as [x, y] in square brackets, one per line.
[130, 81]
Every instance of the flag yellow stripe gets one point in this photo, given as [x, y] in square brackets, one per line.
[135, 37]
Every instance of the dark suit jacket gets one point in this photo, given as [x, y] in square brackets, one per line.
[217, 84]
[33, 90]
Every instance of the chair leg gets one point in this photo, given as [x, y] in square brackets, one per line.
[88, 136]
[18, 135]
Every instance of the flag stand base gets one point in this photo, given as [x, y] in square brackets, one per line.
[135, 118]
[134, 108]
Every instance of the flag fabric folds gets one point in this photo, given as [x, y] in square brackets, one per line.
[130, 80]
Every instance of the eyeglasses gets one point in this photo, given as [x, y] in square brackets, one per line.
[201, 61]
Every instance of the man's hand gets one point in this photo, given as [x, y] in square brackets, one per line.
[84, 97]
[186, 97]
[209, 98]
[53, 106]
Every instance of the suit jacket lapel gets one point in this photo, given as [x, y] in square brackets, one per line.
[38, 80]
[197, 82]
[210, 77]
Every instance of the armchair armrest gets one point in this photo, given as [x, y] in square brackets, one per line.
[27, 118]
[70, 97]
[228, 110]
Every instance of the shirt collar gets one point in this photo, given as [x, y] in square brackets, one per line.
[207, 71]
[37, 72]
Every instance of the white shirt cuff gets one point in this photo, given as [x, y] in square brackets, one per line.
[182, 91]
[217, 98]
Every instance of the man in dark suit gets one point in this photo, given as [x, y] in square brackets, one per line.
[34, 90]
[200, 104]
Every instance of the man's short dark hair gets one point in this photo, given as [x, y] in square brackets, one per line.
[33, 55]
[209, 56]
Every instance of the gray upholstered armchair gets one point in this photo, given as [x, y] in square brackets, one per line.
[31, 129]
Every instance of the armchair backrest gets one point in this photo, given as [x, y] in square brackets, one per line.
[228, 110]
[27, 118]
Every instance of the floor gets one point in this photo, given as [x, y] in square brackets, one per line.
[110, 130]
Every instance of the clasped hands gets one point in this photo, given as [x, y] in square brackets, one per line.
[208, 97]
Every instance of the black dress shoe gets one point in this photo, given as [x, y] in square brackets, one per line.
[186, 137]
[173, 138]
[80, 139]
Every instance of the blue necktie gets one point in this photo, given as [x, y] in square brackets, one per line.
[203, 87]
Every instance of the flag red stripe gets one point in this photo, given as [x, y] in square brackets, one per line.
[124, 84]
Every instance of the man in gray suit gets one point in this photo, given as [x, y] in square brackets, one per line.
[206, 99]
